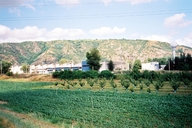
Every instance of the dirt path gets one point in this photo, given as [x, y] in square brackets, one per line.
[28, 118]
[3, 102]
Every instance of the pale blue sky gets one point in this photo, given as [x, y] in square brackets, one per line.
[162, 20]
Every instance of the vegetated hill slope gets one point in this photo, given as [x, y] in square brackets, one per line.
[38, 52]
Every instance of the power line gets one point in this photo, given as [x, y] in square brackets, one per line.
[63, 4]
[131, 14]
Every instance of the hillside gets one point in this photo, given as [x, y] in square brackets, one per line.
[75, 50]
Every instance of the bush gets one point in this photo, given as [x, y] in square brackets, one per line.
[91, 74]
[106, 74]
[9, 73]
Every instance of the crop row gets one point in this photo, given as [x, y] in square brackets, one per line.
[102, 109]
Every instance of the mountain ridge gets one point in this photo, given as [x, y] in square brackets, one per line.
[38, 52]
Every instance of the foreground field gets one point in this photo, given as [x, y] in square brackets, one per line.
[85, 108]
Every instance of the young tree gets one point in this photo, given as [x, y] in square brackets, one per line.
[186, 82]
[125, 83]
[81, 83]
[110, 65]
[63, 84]
[147, 82]
[90, 82]
[174, 84]
[102, 83]
[113, 84]
[74, 84]
[148, 90]
[93, 59]
[158, 85]
[134, 82]
[141, 87]
[132, 90]
[137, 65]
[25, 67]
[56, 83]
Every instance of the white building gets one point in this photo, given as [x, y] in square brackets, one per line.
[104, 66]
[47, 68]
[50, 68]
[16, 69]
[150, 66]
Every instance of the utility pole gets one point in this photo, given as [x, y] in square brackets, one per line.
[1, 67]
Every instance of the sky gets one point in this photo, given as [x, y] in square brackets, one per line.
[43, 20]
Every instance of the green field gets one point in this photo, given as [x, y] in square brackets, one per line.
[99, 108]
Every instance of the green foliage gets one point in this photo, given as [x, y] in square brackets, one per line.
[186, 82]
[68, 74]
[102, 83]
[137, 65]
[93, 59]
[9, 73]
[91, 82]
[81, 83]
[162, 61]
[125, 83]
[184, 62]
[74, 84]
[141, 87]
[147, 82]
[110, 65]
[63, 84]
[98, 109]
[106, 74]
[68, 87]
[91, 74]
[134, 82]
[5, 67]
[75, 49]
[135, 74]
[56, 83]
[174, 84]
[25, 68]
[131, 89]
[158, 84]
[148, 90]
[113, 84]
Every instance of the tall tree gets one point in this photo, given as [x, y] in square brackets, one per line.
[93, 59]
[137, 65]
[5, 67]
[110, 65]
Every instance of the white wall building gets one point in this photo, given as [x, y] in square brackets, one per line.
[47, 68]
[150, 66]
[50, 68]
[16, 69]
[104, 66]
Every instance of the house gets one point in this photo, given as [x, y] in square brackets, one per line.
[50, 68]
[150, 66]
[16, 69]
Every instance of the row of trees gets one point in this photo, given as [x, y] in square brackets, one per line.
[183, 63]
[126, 83]
[70, 75]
